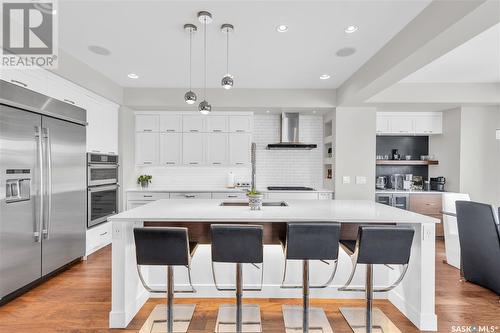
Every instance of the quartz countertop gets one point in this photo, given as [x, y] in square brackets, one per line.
[408, 192]
[209, 189]
[203, 210]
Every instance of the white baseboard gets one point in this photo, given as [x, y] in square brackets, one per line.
[423, 321]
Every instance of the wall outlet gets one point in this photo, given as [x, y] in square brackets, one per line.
[360, 180]
[346, 180]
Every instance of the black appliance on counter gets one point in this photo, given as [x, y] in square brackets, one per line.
[437, 184]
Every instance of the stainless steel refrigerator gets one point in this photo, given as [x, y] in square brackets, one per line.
[42, 186]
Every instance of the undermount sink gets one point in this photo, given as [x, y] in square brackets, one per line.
[245, 203]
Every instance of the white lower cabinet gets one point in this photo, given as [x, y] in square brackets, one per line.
[217, 149]
[239, 148]
[98, 237]
[131, 204]
[170, 149]
[193, 149]
[229, 195]
[146, 149]
[192, 195]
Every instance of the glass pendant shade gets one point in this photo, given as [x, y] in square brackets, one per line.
[190, 97]
[227, 82]
[204, 107]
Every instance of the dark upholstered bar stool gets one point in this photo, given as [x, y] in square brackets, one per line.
[165, 247]
[309, 241]
[376, 245]
[238, 244]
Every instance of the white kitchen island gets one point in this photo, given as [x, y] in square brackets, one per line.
[414, 297]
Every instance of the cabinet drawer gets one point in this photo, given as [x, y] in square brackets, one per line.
[151, 196]
[191, 195]
[98, 237]
[428, 204]
[229, 195]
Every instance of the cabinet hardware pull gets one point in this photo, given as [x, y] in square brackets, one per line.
[217, 163]
[232, 196]
[147, 196]
[239, 163]
[147, 162]
[19, 82]
[104, 233]
[96, 151]
[217, 130]
[170, 130]
[147, 130]
[170, 163]
[193, 130]
[193, 162]
[239, 130]
[190, 196]
[69, 101]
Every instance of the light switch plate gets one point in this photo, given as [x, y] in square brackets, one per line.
[360, 180]
[346, 180]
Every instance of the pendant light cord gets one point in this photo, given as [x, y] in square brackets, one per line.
[205, 56]
[227, 50]
[190, 55]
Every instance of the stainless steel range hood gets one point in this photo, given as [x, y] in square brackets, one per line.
[290, 134]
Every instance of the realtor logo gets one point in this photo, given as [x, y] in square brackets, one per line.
[28, 34]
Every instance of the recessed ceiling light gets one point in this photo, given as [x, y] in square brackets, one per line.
[282, 28]
[324, 77]
[267, 111]
[99, 50]
[314, 111]
[133, 76]
[350, 29]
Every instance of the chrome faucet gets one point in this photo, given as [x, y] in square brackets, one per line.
[253, 159]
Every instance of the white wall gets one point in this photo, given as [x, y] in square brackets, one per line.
[355, 141]
[446, 149]
[480, 154]
[288, 167]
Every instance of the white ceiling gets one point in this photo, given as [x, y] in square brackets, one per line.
[476, 61]
[146, 37]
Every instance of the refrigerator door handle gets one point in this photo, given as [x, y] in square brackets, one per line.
[48, 160]
[39, 190]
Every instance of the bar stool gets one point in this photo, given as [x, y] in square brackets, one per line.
[165, 247]
[239, 244]
[309, 241]
[385, 245]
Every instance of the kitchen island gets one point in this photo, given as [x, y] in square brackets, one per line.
[414, 297]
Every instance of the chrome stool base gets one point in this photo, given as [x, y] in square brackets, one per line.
[318, 323]
[226, 318]
[157, 320]
[356, 318]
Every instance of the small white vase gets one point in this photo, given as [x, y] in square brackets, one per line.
[255, 201]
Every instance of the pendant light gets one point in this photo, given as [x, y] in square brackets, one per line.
[205, 18]
[190, 96]
[227, 81]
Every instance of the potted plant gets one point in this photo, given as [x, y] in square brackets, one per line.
[144, 180]
[255, 199]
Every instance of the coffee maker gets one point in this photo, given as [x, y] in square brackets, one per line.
[437, 184]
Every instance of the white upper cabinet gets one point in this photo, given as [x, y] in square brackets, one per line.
[102, 128]
[170, 149]
[401, 125]
[147, 123]
[216, 124]
[217, 149]
[146, 148]
[193, 148]
[239, 148]
[171, 123]
[193, 123]
[33, 79]
[429, 124]
[409, 123]
[240, 123]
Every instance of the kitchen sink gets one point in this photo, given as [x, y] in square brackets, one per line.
[264, 204]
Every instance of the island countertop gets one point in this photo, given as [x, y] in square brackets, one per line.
[345, 211]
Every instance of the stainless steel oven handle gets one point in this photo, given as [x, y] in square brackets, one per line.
[48, 151]
[103, 166]
[39, 190]
[103, 188]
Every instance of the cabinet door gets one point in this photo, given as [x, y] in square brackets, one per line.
[102, 128]
[428, 124]
[171, 123]
[385, 199]
[239, 148]
[402, 125]
[146, 148]
[192, 195]
[193, 123]
[217, 148]
[170, 148]
[229, 195]
[240, 123]
[147, 123]
[383, 125]
[193, 148]
[400, 201]
[32, 79]
[217, 124]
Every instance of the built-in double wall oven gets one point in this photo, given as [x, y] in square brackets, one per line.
[102, 187]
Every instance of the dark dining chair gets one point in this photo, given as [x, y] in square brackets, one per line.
[479, 236]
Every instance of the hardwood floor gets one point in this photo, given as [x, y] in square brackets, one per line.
[78, 300]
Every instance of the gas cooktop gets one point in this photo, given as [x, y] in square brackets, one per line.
[289, 188]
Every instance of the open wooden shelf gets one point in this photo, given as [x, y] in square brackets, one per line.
[406, 162]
